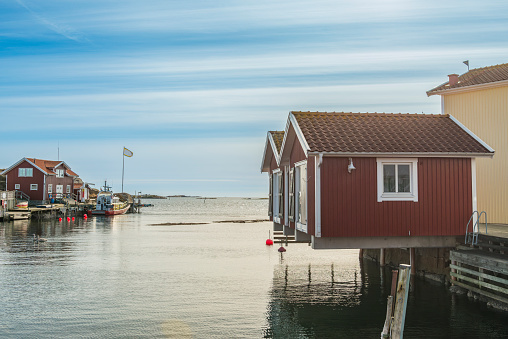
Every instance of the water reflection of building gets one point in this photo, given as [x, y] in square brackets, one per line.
[323, 301]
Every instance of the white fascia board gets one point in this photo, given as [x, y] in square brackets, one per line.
[284, 140]
[299, 134]
[65, 165]
[405, 155]
[265, 153]
[483, 143]
[469, 88]
[473, 185]
[274, 148]
[19, 162]
[444, 83]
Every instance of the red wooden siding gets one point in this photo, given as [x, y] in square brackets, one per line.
[25, 182]
[349, 206]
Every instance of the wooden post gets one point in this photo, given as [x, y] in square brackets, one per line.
[395, 274]
[412, 257]
[454, 270]
[382, 257]
[388, 320]
[399, 315]
[360, 253]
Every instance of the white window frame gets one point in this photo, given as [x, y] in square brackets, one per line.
[50, 188]
[60, 173]
[68, 189]
[301, 226]
[34, 187]
[396, 196]
[275, 195]
[25, 172]
[17, 186]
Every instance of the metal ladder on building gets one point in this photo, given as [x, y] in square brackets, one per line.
[473, 236]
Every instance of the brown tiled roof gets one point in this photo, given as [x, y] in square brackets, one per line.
[48, 165]
[476, 76]
[278, 137]
[385, 133]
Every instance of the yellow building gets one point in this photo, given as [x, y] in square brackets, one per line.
[479, 100]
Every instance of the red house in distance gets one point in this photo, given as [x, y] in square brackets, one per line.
[40, 179]
[367, 180]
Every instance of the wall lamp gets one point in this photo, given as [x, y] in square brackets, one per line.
[350, 167]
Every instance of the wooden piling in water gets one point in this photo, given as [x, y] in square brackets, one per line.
[388, 321]
[399, 314]
[396, 304]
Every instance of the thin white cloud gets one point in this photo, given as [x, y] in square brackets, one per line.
[61, 29]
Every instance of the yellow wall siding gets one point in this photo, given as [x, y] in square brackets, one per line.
[485, 113]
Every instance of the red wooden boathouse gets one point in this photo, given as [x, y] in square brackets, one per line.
[40, 179]
[367, 180]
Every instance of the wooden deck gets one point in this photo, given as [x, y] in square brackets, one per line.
[483, 268]
[497, 230]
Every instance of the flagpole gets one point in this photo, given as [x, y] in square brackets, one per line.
[123, 164]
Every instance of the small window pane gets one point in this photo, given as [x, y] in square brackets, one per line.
[29, 172]
[389, 178]
[404, 184]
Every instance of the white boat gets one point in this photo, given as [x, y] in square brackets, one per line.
[109, 204]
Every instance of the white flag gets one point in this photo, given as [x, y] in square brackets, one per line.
[127, 153]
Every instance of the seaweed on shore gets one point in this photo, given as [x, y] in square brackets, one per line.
[205, 223]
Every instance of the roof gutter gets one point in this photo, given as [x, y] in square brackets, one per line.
[403, 154]
[467, 88]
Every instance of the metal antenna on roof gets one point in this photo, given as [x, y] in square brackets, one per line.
[467, 64]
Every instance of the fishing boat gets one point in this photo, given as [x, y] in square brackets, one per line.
[109, 204]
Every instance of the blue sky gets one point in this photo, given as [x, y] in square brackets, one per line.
[191, 87]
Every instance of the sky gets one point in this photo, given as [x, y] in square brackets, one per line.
[192, 87]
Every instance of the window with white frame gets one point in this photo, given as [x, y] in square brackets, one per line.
[60, 173]
[16, 186]
[33, 187]
[397, 179]
[301, 196]
[50, 188]
[68, 190]
[25, 172]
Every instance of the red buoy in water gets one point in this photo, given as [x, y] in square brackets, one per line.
[85, 216]
[60, 219]
[68, 219]
[72, 218]
[281, 249]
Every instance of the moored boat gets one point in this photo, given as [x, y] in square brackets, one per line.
[109, 204]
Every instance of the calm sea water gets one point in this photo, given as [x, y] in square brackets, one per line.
[121, 277]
